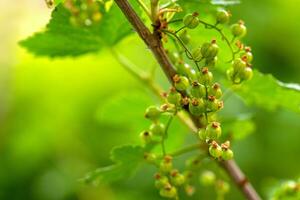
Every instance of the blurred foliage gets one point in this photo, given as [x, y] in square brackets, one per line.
[56, 125]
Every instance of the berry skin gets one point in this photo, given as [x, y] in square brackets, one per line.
[185, 37]
[196, 107]
[168, 192]
[213, 103]
[213, 131]
[215, 150]
[239, 29]
[197, 90]
[146, 137]
[176, 178]
[174, 97]
[247, 74]
[191, 21]
[181, 83]
[161, 181]
[227, 154]
[210, 50]
[222, 17]
[207, 178]
[206, 76]
[152, 113]
[216, 90]
[202, 134]
[239, 65]
[196, 54]
[157, 129]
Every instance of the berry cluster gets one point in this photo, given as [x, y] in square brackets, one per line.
[83, 13]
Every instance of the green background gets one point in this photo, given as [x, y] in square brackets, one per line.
[59, 118]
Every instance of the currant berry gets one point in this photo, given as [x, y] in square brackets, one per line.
[168, 192]
[181, 83]
[146, 137]
[238, 65]
[247, 55]
[197, 90]
[166, 164]
[227, 154]
[222, 187]
[191, 21]
[196, 54]
[206, 76]
[189, 190]
[210, 62]
[196, 107]
[174, 57]
[152, 113]
[207, 178]
[210, 50]
[212, 103]
[157, 129]
[202, 134]
[161, 181]
[174, 97]
[213, 131]
[185, 37]
[177, 179]
[232, 76]
[215, 150]
[239, 29]
[222, 16]
[216, 90]
[247, 73]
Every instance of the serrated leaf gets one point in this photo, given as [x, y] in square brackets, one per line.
[126, 160]
[61, 38]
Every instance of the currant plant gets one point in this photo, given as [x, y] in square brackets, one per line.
[201, 72]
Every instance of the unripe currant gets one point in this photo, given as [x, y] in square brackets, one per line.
[215, 150]
[166, 164]
[152, 113]
[150, 157]
[191, 21]
[216, 90]
[181, 83]
[177, 179]
[185, 37]
[213, 131]
[197, 90]
[239, 29]
[174, 57]
[189, 190]
[227, 154]
[222, 16]
[222, 187]
[196, 54]
[247, 73]
[232, 76]
[238, 65]
[202, 134]
[161, 181]
[196, 106]
[174, 97]
[157, 129]
[212, 103]
[210, 50]
[146, 137]
[206, 76]
[247, 55]
[168, 192]
[207, 178]
[210, 62]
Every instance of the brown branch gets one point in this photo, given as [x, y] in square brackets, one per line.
[154, 44]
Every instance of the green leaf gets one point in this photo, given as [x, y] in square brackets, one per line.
[239, 128]
[61, 38]
[126, 160]
[267, 92]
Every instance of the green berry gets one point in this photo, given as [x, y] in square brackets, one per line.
[181, 83]
[216, 90]
[207, 178]
[166, 164]
[206, 76]
[174, 97]
[213, 131]
[232, 76]
[197, 90]
[177, 179]
[161, 181]
[222, 16]
[227, 154]
[212, 103]
[191, 21]
[202, 134]
[238, 65]
[247, 73]
[215, 150]
[168, 192]
[152, 113]
[210, 62]
[146, 137]
[196, 107]
[196, 54]
[185, 37]
[239, 29]
[222, 187]
[150, 157]
[157, 129]
[174, 57]
[210, 50]
[247, 55]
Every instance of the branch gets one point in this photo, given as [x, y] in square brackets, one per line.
[155, 45]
